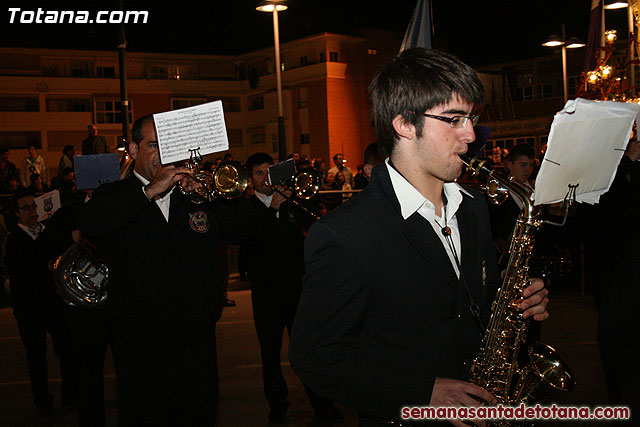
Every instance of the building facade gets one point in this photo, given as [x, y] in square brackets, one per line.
[48, 97]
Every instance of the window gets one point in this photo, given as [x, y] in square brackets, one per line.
[323, 57]
[303, 97]
[305, 139]
[303, 61]
[73, 105]
[107, 72]
[544, 91]
[177, 103]
[372, 51]
[22, 103]
[257, 135]
[20, 139]
[81, 69]
[109, 111]
[524, 93]
[333, 56]
[256, 102]
[159, 72]
[231, 104]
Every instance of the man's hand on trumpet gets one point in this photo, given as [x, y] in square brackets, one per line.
[166, 177]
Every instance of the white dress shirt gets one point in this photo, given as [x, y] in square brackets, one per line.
[411, 201]
[163, 202]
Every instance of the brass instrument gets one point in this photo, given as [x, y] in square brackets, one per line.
[82, 277]
[497, 368]
[229, 180]
[304, 184]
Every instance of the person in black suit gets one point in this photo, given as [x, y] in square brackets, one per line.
[273, 240]
[164, 288]
[385, 316]
[520, 163]
[36, 306]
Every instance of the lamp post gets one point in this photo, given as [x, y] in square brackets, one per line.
[275, 6]
[572, 43]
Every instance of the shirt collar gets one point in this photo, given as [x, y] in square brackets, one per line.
[411, 200]
[146, 182]
[266, 200]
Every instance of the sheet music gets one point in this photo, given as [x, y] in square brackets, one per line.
[200, 127]
[586, 143]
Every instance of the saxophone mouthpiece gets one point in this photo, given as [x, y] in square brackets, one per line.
[466, 159]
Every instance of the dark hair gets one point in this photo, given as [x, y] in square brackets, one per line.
[521, 150]
[67, 148]
[335, 156]
[19, 194]
[3, 150]
[136, 130]
[418, 80]
[257, 159]
[228, 156]
[371, 154]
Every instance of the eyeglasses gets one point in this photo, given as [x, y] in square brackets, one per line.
[25, 207]
[455, 122]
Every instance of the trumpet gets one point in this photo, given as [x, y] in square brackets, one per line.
[229, 180]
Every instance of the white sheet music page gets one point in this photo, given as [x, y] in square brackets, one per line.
[200, 127]
[586, 143]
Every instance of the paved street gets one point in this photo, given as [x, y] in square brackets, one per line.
[571, 329]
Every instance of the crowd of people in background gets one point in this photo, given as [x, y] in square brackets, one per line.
[38, 309]
[32, 245]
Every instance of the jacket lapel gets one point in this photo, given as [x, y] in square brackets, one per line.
[468, 224]
[417, 230]
[424, 239]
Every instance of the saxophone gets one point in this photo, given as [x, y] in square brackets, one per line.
[497, 368]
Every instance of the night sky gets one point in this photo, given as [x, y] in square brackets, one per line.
[479, 32]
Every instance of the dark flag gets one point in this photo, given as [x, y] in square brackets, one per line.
[419, 30]
[595, 35]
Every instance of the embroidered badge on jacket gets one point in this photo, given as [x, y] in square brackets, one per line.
[199, 222]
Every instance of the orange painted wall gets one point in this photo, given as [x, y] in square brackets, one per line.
[144, 104]
[318, 119]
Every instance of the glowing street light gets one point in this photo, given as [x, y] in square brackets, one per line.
[572, 43]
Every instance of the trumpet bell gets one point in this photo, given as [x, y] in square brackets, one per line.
[306, 183]
[230, 179]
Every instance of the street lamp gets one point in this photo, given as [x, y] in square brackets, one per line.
[273, 7]
[572, 43]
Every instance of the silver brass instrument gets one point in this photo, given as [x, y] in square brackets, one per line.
[82, 277]
[496, 368]
[229, 180]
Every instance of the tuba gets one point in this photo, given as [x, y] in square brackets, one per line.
[81, 277]
[497, 368]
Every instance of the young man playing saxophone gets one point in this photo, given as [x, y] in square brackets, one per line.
[400, 279]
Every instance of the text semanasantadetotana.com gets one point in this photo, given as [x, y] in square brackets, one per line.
[522, 412]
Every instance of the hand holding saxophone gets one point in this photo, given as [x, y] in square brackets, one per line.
[455, 393]
[535, 300]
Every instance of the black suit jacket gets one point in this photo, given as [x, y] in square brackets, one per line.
[33, 288]
[382, 312]
[161, 273]
[273, 244]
